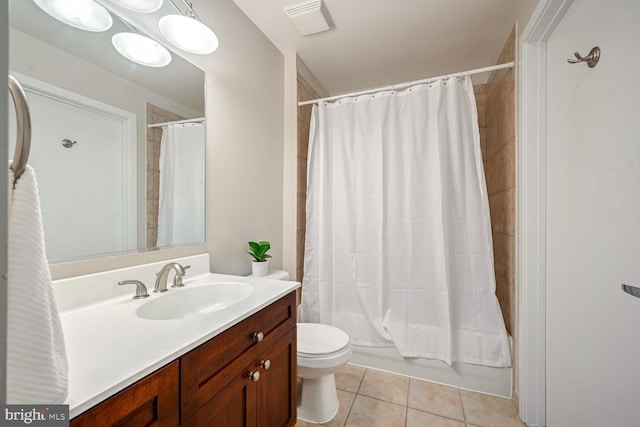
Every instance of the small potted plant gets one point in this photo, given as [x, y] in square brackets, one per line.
[260, 263]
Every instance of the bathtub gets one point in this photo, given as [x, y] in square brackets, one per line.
[484, 379]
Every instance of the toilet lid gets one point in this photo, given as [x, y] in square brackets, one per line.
[316, 339]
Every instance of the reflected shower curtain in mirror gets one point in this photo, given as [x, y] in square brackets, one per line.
[181, 205]
[398, 248]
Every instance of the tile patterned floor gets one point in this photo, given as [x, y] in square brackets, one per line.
[370, 398]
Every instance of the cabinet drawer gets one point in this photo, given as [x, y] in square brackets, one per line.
[151, 401]
[209, 368]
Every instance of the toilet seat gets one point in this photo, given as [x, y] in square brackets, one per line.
[318, 340]
[322, 347]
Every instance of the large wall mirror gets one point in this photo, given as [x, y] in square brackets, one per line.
[117, 147]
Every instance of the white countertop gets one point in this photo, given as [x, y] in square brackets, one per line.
[109, 347]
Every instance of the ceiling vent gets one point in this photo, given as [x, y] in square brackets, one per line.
[310, 17]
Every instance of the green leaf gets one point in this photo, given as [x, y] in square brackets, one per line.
[258, 250]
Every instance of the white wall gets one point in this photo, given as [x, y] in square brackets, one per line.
[519, 15]
[306, 74]
[290, 166]
[244, 139]
[522, 11]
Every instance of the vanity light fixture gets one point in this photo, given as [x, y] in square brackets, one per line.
[141, 49]
[187, 32]
[83, 14]
[144, 6]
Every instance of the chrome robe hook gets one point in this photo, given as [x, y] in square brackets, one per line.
[591, 59]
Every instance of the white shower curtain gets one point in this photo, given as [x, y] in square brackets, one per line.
[398, 248]
[181, 205]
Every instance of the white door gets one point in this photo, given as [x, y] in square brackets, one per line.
[593, 218]
[85, 190]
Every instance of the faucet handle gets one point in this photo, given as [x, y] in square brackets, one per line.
[177, 280]
[141, 289]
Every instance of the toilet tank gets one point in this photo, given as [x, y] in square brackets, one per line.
[275, 275]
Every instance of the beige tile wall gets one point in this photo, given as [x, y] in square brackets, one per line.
[305, 93]
[481, 103]
[155, 114]
[501, 179]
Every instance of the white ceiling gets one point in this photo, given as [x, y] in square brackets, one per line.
[382, 42]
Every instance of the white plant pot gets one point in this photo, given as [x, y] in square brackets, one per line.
[259, 269]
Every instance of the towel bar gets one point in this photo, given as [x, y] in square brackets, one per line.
[23, 128]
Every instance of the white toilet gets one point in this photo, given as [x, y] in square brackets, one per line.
[322, 350]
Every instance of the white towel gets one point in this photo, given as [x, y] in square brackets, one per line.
[37, 369]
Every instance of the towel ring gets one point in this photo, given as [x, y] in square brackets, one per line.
[23, 128]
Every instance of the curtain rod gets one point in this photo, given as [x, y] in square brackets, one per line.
[177, 122]
[413, 83]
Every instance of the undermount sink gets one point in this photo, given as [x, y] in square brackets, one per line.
[203, 299]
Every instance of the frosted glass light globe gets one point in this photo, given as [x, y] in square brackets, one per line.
[141, 49]
[188, 34]
[83, 14]
[144, 6]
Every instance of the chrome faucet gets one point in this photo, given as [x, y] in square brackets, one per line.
[163, 275]
[141, 289]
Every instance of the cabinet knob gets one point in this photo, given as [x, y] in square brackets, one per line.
[257, 336]
[254, 376]
[266, 364]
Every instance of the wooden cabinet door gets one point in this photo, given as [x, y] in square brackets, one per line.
[152, 401]
[209, 368]
[233, 406]
[277, 392]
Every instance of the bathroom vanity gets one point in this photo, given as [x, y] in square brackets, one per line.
[231, 380]
[234, 366]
